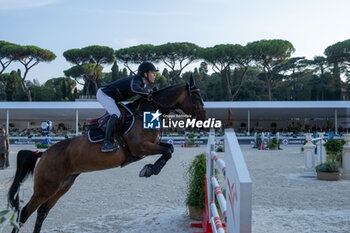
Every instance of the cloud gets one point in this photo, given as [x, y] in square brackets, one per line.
[20, 4]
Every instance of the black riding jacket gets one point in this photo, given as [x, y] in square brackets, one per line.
[125, 88]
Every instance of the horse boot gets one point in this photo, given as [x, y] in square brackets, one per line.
[107, 146]
[154, 169]
[158, 165]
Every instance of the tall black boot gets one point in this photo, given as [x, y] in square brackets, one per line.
[107, 146]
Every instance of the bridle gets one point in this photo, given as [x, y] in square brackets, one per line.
[195, 110]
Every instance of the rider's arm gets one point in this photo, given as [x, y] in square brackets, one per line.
[137, 86]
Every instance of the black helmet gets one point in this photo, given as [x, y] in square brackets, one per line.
[145, 67]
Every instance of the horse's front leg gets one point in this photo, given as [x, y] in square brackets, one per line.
[170, 146]
[152, 149]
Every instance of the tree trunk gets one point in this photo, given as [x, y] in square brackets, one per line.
[226, 75]
[177, 77]
[27, 91]
[96, 87]
[86, 84]
[243, 76]
[87, 88]
[4, 65]
[336, 70]
[269, 90]
[268, 82]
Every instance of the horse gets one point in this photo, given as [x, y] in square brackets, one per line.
[63, 162]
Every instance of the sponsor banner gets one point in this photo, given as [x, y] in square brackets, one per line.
[31, 141]
[152, 120]
[203, 140]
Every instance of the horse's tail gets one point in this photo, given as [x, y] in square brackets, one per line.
[26, 160]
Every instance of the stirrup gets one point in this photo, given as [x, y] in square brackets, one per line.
[109, 147]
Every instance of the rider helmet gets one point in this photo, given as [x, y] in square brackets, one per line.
[145, 67]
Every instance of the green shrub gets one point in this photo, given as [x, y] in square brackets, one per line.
[220, 149]
[190, 142]
[196, 182]
[38, 145]
[273, 143]
[191, 135]
[195, 175]
[8, 217]
[329, 166]
[334, 149]
[334, 146]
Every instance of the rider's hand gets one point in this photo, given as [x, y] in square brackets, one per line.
[155, 89]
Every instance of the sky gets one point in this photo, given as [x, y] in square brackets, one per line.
[59, 25]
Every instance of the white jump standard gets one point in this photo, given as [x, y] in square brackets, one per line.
[237, 214]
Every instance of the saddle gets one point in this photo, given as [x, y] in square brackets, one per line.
[97, 126]
[125, 123]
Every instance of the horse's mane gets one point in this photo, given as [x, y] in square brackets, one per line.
[169, 87]
[155, 94]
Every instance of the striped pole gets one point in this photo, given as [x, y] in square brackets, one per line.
[219, 195]
[215, 220]
[221, 163]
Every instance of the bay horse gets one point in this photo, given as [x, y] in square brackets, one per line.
[61, 164]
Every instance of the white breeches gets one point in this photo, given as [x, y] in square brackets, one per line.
[107, 102]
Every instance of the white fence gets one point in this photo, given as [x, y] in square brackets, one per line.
[236, 208]
[311, 159]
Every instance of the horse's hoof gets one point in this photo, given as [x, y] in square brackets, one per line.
[146, 171]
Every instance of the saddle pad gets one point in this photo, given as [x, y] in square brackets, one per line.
[97, 135]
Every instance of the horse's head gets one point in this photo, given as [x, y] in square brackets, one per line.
[191, 101]
[185, 97]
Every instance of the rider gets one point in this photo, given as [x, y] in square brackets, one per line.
[121, 90]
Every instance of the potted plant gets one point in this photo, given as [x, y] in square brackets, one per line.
[328, 170]
[190, 140]
[273, 144]
[334, 149]
[196, 187]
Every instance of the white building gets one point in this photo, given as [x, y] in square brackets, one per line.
[246, 116]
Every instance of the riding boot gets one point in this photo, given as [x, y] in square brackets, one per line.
[107, 146]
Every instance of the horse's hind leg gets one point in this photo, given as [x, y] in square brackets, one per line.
[46, 207]
[33, 204]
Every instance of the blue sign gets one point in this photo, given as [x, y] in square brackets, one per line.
[45, 127]
[46, 141]
[151, 120]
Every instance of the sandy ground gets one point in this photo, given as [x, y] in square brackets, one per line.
[117, 200]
